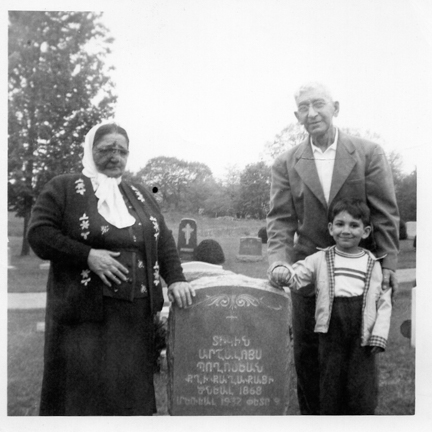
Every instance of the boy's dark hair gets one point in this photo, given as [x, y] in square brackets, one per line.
[356, 208]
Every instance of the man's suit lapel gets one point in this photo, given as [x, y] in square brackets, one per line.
[306, 169]
[344, 164]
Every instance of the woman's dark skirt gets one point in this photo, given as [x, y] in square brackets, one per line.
[101, 368]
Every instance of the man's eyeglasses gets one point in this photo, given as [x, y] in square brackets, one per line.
[113, 151]
[317, 105]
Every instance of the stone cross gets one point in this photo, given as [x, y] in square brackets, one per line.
[188, 230]
[187, 239]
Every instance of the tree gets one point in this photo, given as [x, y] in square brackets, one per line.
[407, 197]
[58, 88]
[254, 190]
[218, 201]
[289, 137]
[182, 184]
[395, 162]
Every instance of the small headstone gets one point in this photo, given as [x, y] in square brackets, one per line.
[45, 265]
[411, 228]
[197, 269]
[10, 266]
[413, 317]
[405, 329]
[230, 352]
[197, 266]
[250, 249]
[187, 239]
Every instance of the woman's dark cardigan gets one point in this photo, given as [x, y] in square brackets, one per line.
[65, 225]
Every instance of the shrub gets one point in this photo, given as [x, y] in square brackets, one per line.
[209, 251]
[402, 230]
[262, 234]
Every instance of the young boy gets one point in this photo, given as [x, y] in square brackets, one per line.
[352, 314]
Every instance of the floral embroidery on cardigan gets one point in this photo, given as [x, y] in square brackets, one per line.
[85, 274]
[85, 225]
[138, 194]
[155, 226]
[140, 264]
[156, 280]
[104, 229]
[80, 187]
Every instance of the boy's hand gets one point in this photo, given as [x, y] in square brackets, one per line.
[280, 276]
[376, 350]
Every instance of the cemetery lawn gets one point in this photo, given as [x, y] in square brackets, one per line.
[25, 344]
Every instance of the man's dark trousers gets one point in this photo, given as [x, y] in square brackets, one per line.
[306, 353]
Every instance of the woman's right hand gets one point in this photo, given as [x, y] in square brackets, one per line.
[103, 263]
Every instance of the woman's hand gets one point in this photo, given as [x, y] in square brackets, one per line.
[101, 262]
[181, 293]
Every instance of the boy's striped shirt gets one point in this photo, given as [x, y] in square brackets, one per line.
[350, 273]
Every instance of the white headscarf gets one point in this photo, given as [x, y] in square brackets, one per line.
[111, 204]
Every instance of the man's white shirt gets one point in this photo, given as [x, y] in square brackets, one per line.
[324, 162]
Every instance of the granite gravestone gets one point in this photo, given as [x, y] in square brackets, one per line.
[230, 352]
[250, 249]
[10, 266]
[187, 239]
[411, 228]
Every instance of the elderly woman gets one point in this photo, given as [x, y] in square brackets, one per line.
[108, 243]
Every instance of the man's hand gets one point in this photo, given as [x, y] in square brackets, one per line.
[181, 293]
[390, 281]
[280, 276]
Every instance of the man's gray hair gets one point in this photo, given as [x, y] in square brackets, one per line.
[313, 85]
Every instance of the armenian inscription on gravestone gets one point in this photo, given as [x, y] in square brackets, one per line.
[230, 353]
[250, 249]
[187, 238]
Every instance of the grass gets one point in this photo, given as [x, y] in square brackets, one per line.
[25, 344]
[227, 232]
[25, 362]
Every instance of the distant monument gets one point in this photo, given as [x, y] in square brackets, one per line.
[187, 239]
[230, 352]
[250, 249]
[411, 228]
[10, 266]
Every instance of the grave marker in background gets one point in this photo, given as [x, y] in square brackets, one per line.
[187, 239]
[230, 352]
[10, 266]
[250, 249]
[411, 228]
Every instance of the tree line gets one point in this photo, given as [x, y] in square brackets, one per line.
[59, 86]
[244, 193]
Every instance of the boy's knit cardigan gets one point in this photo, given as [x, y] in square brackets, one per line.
[376, 311]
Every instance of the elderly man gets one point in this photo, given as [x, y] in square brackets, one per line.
[329, 165]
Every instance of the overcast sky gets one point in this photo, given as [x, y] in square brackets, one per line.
[212, 80]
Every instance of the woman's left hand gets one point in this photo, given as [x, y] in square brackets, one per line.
[181, 293]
